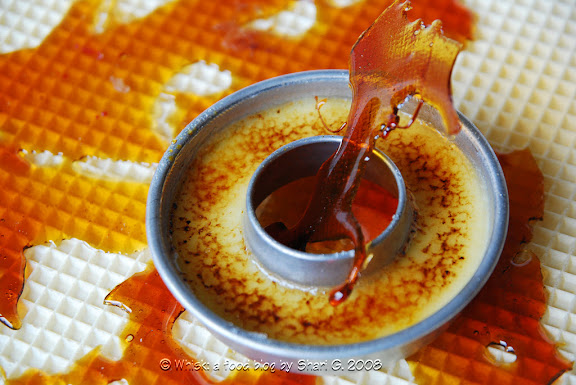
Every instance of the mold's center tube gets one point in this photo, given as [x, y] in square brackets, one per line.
[278, 194]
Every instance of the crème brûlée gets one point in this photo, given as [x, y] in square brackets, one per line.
[449, 240]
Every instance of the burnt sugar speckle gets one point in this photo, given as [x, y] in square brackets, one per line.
[446, 248]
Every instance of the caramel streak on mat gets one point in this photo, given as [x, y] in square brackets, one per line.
[39, 203]
[66, 317]
[150, 353]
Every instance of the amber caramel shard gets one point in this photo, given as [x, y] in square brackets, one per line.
[396, 58]
[507, 311]
[391, 60]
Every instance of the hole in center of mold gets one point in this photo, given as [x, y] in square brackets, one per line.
[283, 185]
[373, 207]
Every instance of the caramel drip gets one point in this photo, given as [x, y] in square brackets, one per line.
[508, 310]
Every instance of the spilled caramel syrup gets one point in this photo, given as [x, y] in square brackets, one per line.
[38, 204]
[507, 311]
[151, 356]
[15, 234]
[391, 60]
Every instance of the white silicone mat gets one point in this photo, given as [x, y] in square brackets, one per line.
[516, 81]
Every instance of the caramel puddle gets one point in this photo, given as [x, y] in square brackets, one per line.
[507, 311]
[150, 353]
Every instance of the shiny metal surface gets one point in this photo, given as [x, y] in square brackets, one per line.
[265, 95]
[303, 158]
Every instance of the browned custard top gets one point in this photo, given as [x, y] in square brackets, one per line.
[448, 243]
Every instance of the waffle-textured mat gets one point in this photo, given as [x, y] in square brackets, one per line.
[91, 91]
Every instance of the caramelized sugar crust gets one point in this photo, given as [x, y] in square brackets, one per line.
[445, 250]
